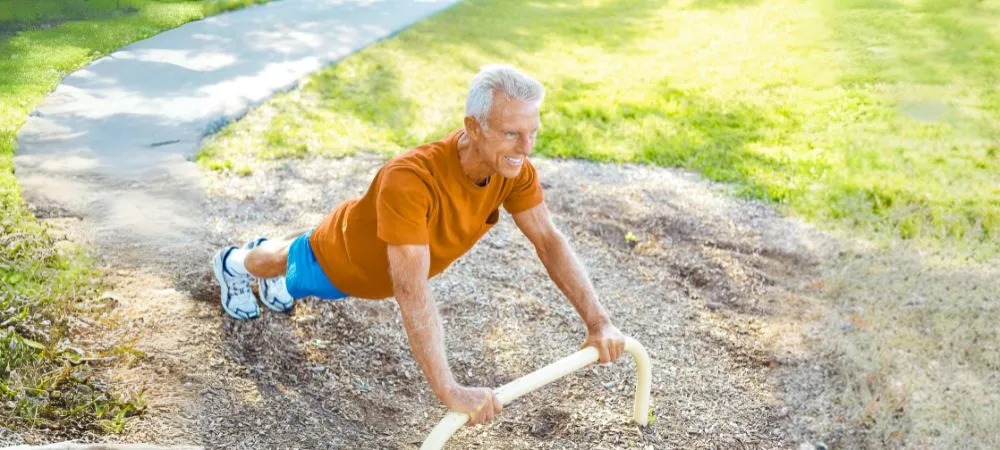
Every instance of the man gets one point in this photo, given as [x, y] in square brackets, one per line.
[423, 210]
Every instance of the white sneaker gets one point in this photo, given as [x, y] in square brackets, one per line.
[273, 293]
[237, 299]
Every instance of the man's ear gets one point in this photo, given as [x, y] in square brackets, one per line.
[473, 129]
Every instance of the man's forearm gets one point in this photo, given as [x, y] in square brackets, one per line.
[569, 275]
[426, 336]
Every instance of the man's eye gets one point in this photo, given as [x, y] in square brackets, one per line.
[510, 134]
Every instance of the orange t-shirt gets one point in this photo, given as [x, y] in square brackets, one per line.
[421, 197]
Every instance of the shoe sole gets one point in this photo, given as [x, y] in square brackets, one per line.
[220, 277]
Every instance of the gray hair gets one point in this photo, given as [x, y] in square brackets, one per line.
[504, 79]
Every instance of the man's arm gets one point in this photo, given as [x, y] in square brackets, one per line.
[409, 266]
[571, 278]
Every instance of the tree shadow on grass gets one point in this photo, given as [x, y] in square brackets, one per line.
[670, 127]
[44, 14]
[934, 43]
[920, 48]
[372, 94]
[722, 4]
[504, 31]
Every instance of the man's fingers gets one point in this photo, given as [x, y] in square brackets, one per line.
[602, 348]
[476, 417]
[618, 348]
[484, 411]
[493, 404]
[487, 410]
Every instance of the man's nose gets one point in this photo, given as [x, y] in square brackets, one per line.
[527, 144]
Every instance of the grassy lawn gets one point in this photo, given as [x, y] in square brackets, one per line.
[45, 380]
[879, 115]
[878, 118]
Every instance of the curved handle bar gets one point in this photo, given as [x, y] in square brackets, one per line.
[509, 392]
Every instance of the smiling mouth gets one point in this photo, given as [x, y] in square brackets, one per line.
[514, 161]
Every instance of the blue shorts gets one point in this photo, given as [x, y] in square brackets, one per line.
[304, 277]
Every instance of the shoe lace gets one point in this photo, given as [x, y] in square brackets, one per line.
[239, 285]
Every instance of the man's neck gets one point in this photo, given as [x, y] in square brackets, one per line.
[472, 166]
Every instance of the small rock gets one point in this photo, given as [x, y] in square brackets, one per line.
[820, 445]
[608, 385]
[319, 369]
[109, 296]
[715, 306]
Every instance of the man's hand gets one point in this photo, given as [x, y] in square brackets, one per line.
[608, 341]
[479, 403]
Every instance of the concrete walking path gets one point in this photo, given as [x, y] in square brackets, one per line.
[113, 143]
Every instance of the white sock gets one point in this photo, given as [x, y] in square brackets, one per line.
[234, 262]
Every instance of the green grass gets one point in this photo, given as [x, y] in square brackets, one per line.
[45, 380]
[878, 116]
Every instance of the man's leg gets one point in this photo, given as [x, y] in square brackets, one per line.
[269, 259]
[304, 277]
[263, 259]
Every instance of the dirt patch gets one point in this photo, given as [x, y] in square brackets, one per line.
[715, 288]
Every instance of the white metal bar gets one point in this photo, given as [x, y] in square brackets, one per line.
[509, 392]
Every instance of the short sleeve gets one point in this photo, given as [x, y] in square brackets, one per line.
[402, 208]
[527, 192]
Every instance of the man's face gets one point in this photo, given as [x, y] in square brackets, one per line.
[509, 136]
